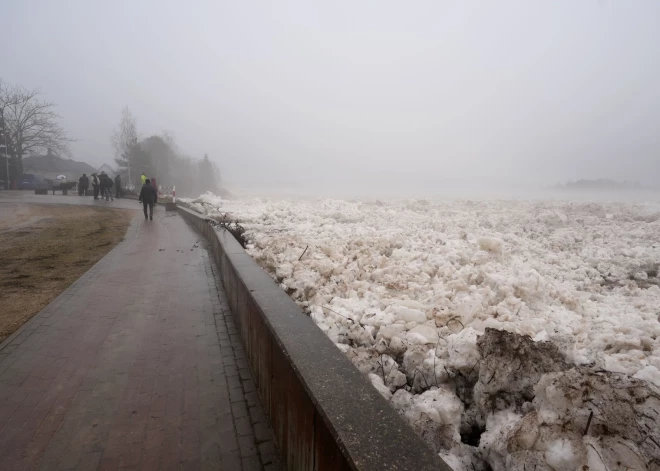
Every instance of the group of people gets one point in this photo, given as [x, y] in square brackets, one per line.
[101, 185]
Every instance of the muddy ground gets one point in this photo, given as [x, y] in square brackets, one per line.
[45, 248]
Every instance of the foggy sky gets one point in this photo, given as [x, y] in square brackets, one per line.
[358, 93]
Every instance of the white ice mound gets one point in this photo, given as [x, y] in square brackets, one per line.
[410, 290]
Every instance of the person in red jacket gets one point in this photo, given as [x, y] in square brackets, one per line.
[154, 184]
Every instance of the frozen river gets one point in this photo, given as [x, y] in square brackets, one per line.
[410, 290]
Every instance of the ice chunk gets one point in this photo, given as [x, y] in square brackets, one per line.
[343, 347]
[463, 351]
[553, 218]
[409, 315]
[606, 453]
[389, 331]
[427, 333]
[525, 433]
[396, 345]
[441, 405]
[377, 382]
[402, 400]
[561, 456]
[491, 244]
[650, 374]
[434, 414]
[413, 358]
[493, 442]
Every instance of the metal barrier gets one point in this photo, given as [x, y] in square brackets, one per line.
[167, 192]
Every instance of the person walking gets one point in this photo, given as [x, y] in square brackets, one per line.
[83, 185]
[148, 197]
[108, 187]
[96, 185]
[143, 178]
[106, 184]
[117, 186]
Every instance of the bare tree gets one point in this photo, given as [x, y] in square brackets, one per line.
[124, 140]
[32, 123]
[160, 156]
[5, 141]
[163, 153]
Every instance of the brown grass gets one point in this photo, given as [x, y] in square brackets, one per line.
[45, 248]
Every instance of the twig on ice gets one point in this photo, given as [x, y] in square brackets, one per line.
[417, 370]
[382, 367]
[435, 375]
[491, 378]
[653, 440]
[591, 415]
[303, 253]
[348, 318]
[455, 318]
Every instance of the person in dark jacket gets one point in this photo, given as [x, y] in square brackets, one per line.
[96, 185]
[117, 186]
[105, 185]
[83, 185]
[108, 187]
[148, 197]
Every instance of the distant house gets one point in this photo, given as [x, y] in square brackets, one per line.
[51, 165]
[125, 182]
[111, 172]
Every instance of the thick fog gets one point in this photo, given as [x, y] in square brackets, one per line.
[357, 95]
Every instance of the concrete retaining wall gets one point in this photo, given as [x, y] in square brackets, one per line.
[325, 414]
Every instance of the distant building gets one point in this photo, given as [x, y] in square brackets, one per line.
[51, 165]
[111, 172]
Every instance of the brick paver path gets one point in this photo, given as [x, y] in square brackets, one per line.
[138, 365]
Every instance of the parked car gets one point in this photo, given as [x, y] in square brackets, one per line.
[30, 181]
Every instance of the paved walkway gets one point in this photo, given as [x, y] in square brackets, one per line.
[30, 197]
[138, 365]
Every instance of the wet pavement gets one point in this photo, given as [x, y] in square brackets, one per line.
[58, 198]
[138, 365]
